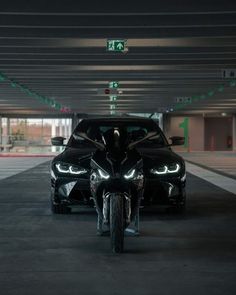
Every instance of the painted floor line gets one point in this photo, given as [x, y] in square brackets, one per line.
[221, 181]
[10, 167]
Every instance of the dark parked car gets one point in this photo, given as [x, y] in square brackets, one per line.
[164, 170]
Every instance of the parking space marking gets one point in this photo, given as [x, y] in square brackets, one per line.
[11, 166]
[221, 181]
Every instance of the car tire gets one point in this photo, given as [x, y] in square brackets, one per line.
[117, 223]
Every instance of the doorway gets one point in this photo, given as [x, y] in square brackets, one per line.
[218, 134]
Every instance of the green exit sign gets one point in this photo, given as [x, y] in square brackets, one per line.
[113, 84]
[116, 45]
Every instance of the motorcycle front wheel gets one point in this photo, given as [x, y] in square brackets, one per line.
[117, 222]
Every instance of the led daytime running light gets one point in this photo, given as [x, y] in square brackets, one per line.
[70, 170]
[174, 170]
[154, 171]
[130, 174]
[103, 174]
[166, 170]
[82, 171]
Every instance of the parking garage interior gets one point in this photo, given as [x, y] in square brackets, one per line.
[171, 61]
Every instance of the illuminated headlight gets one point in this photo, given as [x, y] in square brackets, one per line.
[173, 168]
[70, 169]
[130, 174]
[103, 174]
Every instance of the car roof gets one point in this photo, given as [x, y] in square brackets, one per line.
[118, 119]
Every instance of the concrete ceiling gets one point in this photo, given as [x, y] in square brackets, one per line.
[175, 49]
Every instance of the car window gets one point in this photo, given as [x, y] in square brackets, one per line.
[131, 132]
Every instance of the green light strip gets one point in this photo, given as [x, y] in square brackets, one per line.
[43, 99]
[210, 93]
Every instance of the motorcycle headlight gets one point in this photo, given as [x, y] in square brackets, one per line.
[130, 174]
[103, 174]
[166, 169]
[70, 169]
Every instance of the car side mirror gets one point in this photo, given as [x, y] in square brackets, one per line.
[177, 140]
[58, 141]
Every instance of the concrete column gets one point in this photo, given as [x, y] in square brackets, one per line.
[166, 124]
[0, 131]
[53, 128]
[67, 128]
[70, 126]
[6, 136]
[60, 127]
[53, 133]
[161, 121]
[234, 132]
[75, 121]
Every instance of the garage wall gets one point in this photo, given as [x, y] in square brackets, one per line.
[196, 133]
[234, 132]
[196, 130]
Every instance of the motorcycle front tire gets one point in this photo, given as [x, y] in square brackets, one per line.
[117, 222]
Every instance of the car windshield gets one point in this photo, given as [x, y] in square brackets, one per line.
[128, 131]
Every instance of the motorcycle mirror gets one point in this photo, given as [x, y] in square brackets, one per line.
[99, 145]
[149, 135]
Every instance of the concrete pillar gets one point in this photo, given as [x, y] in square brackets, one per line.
[161, 121]
[42, 127]
[53, 128]
[166, 124]
[60, 127]
[0, 131]
[6, 136]
[75, 121]
[67, 128]
[53, 133]
[234, 132]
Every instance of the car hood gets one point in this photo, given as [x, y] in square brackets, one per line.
[76, 156]
[159, 156]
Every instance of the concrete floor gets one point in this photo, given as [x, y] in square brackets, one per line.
[45, 254]
[218, 161]
[10, 166]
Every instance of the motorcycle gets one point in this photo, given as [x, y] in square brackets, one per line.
[116, 183]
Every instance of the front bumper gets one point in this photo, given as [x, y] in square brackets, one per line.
[168, 191]
[69, 190]
[157, 191]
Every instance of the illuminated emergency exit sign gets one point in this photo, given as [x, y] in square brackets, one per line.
[113, 84]
[116, 45]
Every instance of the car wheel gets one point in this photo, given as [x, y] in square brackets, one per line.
[117, 223]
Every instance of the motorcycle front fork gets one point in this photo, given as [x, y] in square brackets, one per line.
[103, 217]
